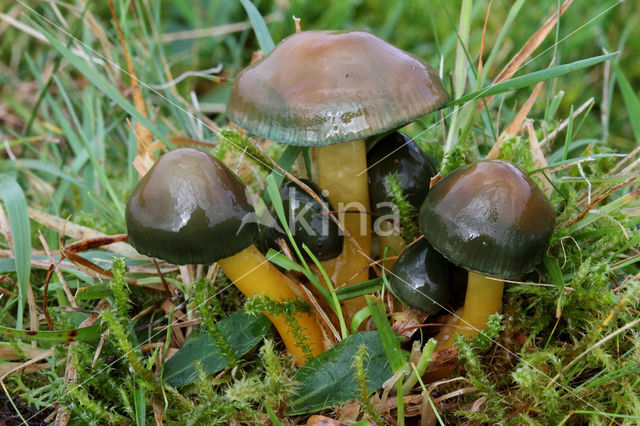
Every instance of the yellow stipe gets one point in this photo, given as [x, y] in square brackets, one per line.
[338, 167]
[483, 298]
[253, 274]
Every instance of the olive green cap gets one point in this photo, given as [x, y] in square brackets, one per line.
[490, 218]
[318, 88]
[307, 222]
[420, 277]
[396, 154]
[190, 209]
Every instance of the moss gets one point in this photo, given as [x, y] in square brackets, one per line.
[407, 212]
[208, 307]
[359, 372]
[289, 309]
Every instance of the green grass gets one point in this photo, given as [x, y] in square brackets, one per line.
[562, 352]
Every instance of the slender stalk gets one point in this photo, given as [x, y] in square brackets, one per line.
[483, 298]
[342, 171]
[253, 274]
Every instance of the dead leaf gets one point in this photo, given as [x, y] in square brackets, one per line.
[407, 322]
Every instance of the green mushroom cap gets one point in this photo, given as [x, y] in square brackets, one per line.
[318, 88]
[190, 209]
[396, 154]
[421, 277]
[307, 221]
[490, 218]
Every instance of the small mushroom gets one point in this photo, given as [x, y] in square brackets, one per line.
[308, 222]
[396, 154]
[191, 209]
[421, 276]
[323, 88]
[491, 219]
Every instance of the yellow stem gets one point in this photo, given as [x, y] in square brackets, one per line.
[483, 298]
[342, 171]
[253, 274]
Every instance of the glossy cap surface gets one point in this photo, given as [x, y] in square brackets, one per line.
[323, 87]
[489, 218]
[421, 277]
[397, 155]
[189, 209]
[307, 221]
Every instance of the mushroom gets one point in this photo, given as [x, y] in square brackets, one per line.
[308, 223]
[420, 277]
[323, 88]
[491, 219]
[191, 209]
[396, 154]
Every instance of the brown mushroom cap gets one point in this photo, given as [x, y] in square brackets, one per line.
[489, 217]
[322, 87]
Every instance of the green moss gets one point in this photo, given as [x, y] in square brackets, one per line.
[289, 309]
[231, 140]
[409, 229]
[208, 307]
[359, 372]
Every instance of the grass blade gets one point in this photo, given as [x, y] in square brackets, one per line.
[101, 83]
[531, 78]
[569, 135]
[630, 99]
[16, 207]
[83, 334]
[259, 27]
[140, 405]
[285, 161]
[513, 12]
[388, 337]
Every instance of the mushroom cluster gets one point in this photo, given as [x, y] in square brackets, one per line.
[330, 90]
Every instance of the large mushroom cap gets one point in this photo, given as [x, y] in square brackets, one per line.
[323, 87]
[489, 218]
[190, 209]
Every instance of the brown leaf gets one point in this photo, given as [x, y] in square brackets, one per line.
[407, 322]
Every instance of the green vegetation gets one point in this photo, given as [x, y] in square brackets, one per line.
[87, 91]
